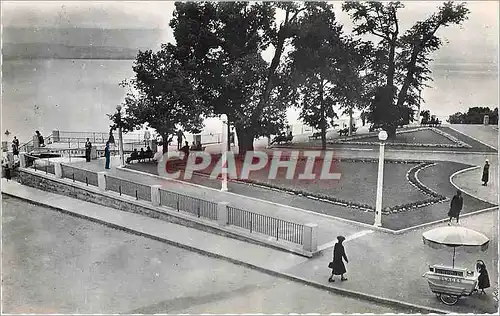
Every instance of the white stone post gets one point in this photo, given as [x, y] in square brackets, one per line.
[382, 136]
[155, 195]
[36, 142]
[22, 160]
[222, 213]
[93, 152]
[58, 170]
[101, 180]
[310, 241]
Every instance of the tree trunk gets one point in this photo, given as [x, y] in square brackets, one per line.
[350, 121]
[266, 93]
[391, 69]
[245, 140]
[323, 118]
[228, 136]
[391, 131]
[164, 138]
[408, 78]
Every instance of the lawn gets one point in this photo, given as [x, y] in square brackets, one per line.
[357, 183]
[417, 137]
[435, 177]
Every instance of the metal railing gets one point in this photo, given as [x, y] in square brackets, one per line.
[80, 175]
[254, 222]
[267, 225]
[40, 164]
[126, 187]
[189, 204]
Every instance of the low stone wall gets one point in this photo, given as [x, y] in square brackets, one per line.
[92, 194]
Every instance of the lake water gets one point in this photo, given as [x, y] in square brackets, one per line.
[76, 95]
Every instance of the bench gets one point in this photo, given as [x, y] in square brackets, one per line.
[282, 139]
[432, 122]
[140, 157]
[315, 136]
[345, 131]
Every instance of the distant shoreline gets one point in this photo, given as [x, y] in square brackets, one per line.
[66, 58]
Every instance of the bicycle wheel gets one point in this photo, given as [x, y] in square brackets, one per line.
[448, 299]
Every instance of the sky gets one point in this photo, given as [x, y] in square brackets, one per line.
[475, 41]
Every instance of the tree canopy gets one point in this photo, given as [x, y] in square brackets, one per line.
[403, 59]
[216, 67]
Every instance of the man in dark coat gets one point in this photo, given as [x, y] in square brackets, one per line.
[107, 154]
[337, 265]
[457, 202]
[88, 149]
[486, 173]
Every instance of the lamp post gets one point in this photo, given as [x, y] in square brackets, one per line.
[382, 136]
[120, 137]
[225, 142]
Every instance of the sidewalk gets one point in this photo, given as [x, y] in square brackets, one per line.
[381, 265]
[483, 133]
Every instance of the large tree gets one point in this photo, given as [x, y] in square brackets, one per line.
[405, 56]
[314, 66]
[222, 44]
[162, 96]
[327, 68]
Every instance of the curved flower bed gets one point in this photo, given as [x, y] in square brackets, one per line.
[411, 177]
[457, 142]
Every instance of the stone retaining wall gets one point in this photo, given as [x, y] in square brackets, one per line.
[92, 194]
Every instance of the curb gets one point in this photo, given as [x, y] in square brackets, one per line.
[368, 297]
[390, 150]
[405, 230]
[459, 188]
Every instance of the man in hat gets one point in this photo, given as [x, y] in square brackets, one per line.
[88, 150]
[337, 265]
[486, 173]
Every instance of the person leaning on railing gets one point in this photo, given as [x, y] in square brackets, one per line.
[41, 142]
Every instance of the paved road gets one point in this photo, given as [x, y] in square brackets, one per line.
[54, 263]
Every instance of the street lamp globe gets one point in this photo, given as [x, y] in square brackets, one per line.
[382, 135]
[118, 107]
[223, 118]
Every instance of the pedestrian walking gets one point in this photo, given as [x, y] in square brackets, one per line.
[457, 202]
[147, 136]
[180, 135]
[337, 265]
[483, 281]
[88, 150]
[107, 155]
[486, 173]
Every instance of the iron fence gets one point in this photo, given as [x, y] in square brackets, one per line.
[30, 161]
[270, 226]
[80, 175]
[122, 186]
[189, 204]
[39, 164]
